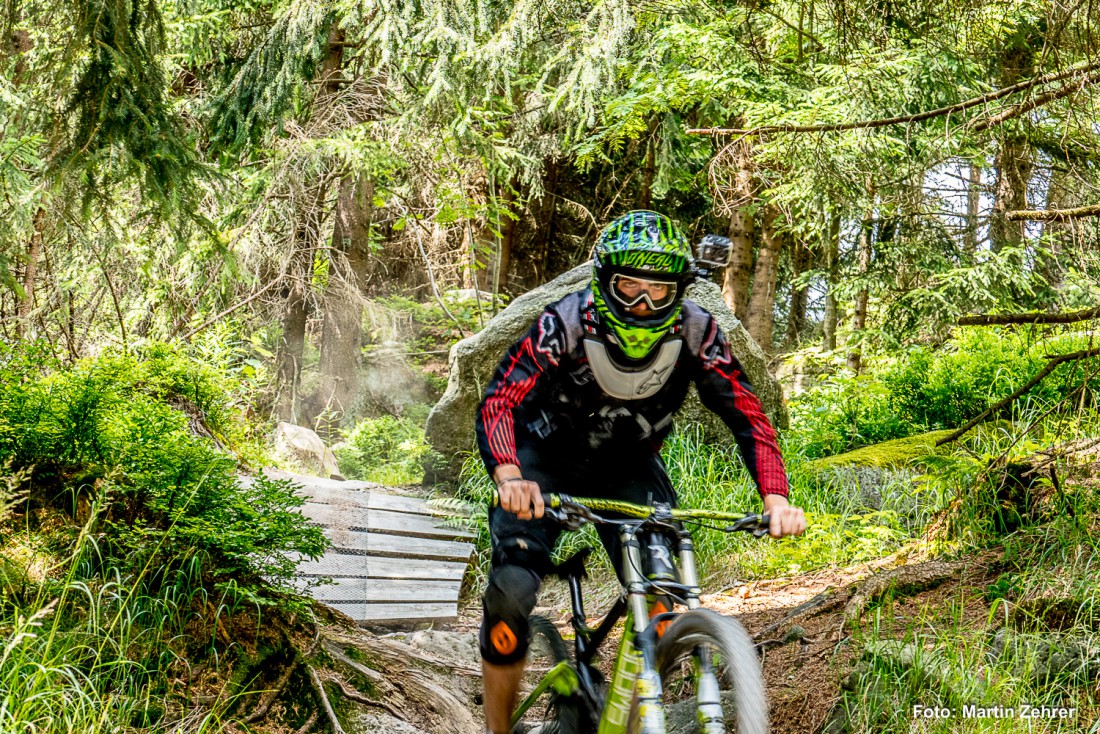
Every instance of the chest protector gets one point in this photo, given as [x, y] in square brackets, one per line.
[631, 384]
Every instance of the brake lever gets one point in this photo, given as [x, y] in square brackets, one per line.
[567, 516]
[758, 525]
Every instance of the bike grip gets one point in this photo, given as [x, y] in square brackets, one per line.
[548, 500]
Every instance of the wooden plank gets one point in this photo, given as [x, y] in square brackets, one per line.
[398, 503]
[401, 523]
[392, 591]
[380, 521]
[400, 568]
[320, 483]
[392, 613]
[335, 516]
[338, 564]
[397, 546]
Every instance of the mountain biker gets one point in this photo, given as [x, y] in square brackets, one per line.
[582, 404]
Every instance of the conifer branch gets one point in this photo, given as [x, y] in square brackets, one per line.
[919, 116]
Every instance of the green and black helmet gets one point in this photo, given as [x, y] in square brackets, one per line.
[641, 258]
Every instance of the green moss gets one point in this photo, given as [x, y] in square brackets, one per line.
[897, 453]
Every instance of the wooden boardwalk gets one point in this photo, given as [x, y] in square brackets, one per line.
[391, 559]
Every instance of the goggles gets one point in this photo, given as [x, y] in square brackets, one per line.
[630, 290]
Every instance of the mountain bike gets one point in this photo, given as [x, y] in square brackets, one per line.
[657, 641]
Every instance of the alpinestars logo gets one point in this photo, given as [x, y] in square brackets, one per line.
[715, 350]
[551, 341]
[657, 377]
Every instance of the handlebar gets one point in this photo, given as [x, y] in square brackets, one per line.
[573, 512]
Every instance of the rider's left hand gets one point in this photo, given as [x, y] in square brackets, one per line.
[786, 519]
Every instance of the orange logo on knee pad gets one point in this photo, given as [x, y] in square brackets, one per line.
[503, 638]
[660, 608]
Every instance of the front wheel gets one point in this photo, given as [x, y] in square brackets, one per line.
[710, 644]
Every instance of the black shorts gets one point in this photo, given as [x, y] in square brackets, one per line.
[640, 478]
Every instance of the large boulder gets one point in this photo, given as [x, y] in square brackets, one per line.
[302, 449]
[450, 428]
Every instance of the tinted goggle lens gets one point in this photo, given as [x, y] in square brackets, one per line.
[630, 291]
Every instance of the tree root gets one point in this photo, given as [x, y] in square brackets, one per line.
[409, 688]
[272, 695]
[353, 695]
[309, 724]
[821, 603]
[319, 686]
[906, 580]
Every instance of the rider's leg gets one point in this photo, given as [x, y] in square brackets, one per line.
[509, 598]
[521, 556]
[638, 478]
[501, 684]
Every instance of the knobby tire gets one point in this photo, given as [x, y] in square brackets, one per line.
[739, 662]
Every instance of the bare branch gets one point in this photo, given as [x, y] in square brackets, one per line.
[1030, 318]
[1055, 360]
[906, 119]
[1053, 215]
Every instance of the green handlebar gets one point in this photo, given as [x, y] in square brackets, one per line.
[629, 509]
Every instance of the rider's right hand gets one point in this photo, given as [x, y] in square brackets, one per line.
[518, 495]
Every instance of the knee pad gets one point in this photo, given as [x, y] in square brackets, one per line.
[508, 601]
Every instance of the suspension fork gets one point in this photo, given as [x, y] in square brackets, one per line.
[635, 672]
[707, 695]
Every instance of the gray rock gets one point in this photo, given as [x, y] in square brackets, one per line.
[450, 427]
[460, 648]
[377, 722]
[305, 450]
[1041, 658]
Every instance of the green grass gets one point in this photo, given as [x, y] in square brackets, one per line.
[1005, 644]
[843, 529]
[101, 653]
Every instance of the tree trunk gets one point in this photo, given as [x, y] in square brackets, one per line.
[1013, 164]
[34, 250]
[645, 191]
[832, 255]
[761, 309]
[859, 313]
[1056, 235]
[342, 329]
[796, 314]
[973, 200]
[503, 263]
[545, 222]
[735, 283]
[1013, 171]
[484, 247]
[291, 350]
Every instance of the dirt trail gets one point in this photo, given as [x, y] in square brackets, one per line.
[804, 678]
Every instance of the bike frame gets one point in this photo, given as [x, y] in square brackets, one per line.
[635, 673]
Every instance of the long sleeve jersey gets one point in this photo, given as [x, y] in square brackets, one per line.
[544, 391]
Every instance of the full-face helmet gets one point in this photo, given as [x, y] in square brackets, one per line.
[642, 265]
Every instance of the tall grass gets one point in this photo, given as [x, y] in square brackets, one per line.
[107, 654]
[1034, 645]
